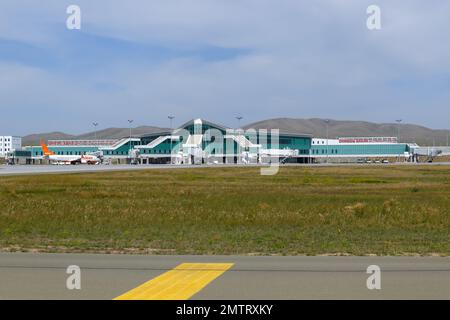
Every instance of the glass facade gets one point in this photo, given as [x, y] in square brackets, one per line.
[360, 149]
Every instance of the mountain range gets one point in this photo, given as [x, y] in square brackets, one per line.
[315, 127]
[338, 128]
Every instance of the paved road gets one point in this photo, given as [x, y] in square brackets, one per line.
[43, 276]
[55, 169]
[44, 169]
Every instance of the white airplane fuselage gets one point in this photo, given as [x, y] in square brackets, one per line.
[82, 159]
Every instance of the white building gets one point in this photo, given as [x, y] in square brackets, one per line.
[354, 141]
[9, 144]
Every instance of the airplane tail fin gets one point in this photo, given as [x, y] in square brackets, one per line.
[45, 149]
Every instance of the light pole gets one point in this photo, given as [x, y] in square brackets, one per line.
[398, 134]
[327, 121]
[171, 118]
[398, 129]
[130, 121]
[95, 124]
[239, 118]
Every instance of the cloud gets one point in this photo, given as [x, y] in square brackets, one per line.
[214, 59]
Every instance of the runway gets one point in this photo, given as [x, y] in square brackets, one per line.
[56, 169]
[43, 276]
[59, 169]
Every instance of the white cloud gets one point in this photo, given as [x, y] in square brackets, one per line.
[302, 59]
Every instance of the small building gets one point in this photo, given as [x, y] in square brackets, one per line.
[9, 144]
[18, 157]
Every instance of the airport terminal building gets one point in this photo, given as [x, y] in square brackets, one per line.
[199, 141]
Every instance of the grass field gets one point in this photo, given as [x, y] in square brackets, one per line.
[303, 210]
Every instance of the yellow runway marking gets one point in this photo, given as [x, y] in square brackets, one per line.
[180, 283]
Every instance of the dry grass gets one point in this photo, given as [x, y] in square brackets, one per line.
[302, 210]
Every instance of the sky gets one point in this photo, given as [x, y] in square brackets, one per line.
[218, 59]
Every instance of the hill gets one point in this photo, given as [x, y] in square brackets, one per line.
[109, 133]
[34, 139]
[316, 127]
[337, 128]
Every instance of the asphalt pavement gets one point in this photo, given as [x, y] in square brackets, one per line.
[8, 170]
[44, 276]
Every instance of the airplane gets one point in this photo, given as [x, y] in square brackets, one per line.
[68, 159]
